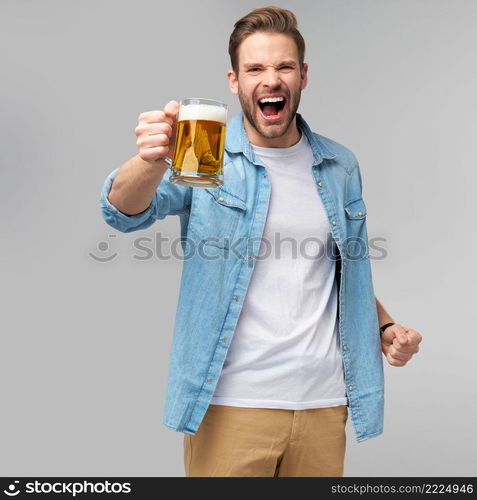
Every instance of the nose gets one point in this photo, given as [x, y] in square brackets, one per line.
[271, 78]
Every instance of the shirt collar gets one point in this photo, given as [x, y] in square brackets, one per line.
[237, 140]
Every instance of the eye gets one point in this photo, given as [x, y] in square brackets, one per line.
[253, 70]
[286, 68]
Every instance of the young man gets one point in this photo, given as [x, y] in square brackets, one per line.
[269, 352]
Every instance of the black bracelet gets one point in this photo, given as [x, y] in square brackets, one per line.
[382, 328]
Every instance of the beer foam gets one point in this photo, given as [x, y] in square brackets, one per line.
[202, 112]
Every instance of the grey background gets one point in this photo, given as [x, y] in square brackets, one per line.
[85, 344]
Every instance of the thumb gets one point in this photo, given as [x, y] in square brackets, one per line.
[401, 335]
[171, 109]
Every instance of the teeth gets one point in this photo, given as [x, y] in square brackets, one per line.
[271, 99]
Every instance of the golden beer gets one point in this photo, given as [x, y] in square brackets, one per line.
[200, 140]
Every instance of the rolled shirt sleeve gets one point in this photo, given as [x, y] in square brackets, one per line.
[169, 199]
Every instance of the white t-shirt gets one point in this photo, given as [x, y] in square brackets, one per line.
[285, 349]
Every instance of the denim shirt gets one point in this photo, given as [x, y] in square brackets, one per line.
[221, 230]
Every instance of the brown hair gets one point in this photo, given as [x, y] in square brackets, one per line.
[269, 19]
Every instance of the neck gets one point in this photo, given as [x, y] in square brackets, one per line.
[288, 139]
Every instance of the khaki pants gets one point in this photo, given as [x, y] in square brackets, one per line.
[235, 442]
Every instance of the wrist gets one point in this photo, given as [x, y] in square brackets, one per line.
[386, 325]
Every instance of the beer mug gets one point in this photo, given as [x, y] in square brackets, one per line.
[200, 140]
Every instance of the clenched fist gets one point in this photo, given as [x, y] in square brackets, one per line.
[156, 133]
[399, 344]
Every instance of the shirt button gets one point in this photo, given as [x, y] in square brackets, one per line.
[320, 184]
[350, 387]
[333, 222]
[345, 348]
[236, 298]
[224, 339]
[264, 175]
[360, 213]
[209, 380]
[258, 216]
[248, 257]
[221, 198]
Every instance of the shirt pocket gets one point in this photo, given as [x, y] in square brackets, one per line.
[356, 241]
[214, 216]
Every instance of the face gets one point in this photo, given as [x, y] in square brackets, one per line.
[269, 84]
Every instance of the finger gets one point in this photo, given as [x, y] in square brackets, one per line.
[154, 154]
[171, 109]
[153, 129]
[404, 348]
[402, 356]
[154, 117]
[153, 141]
[414, 337]
[395, 362]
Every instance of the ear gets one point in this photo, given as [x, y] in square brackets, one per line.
[304, 76]
[233, 81]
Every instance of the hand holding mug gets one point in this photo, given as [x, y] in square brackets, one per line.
[156, 134]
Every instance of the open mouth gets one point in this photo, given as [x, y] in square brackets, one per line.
[272, 107]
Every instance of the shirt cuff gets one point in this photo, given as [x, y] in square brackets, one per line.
[118, 219]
